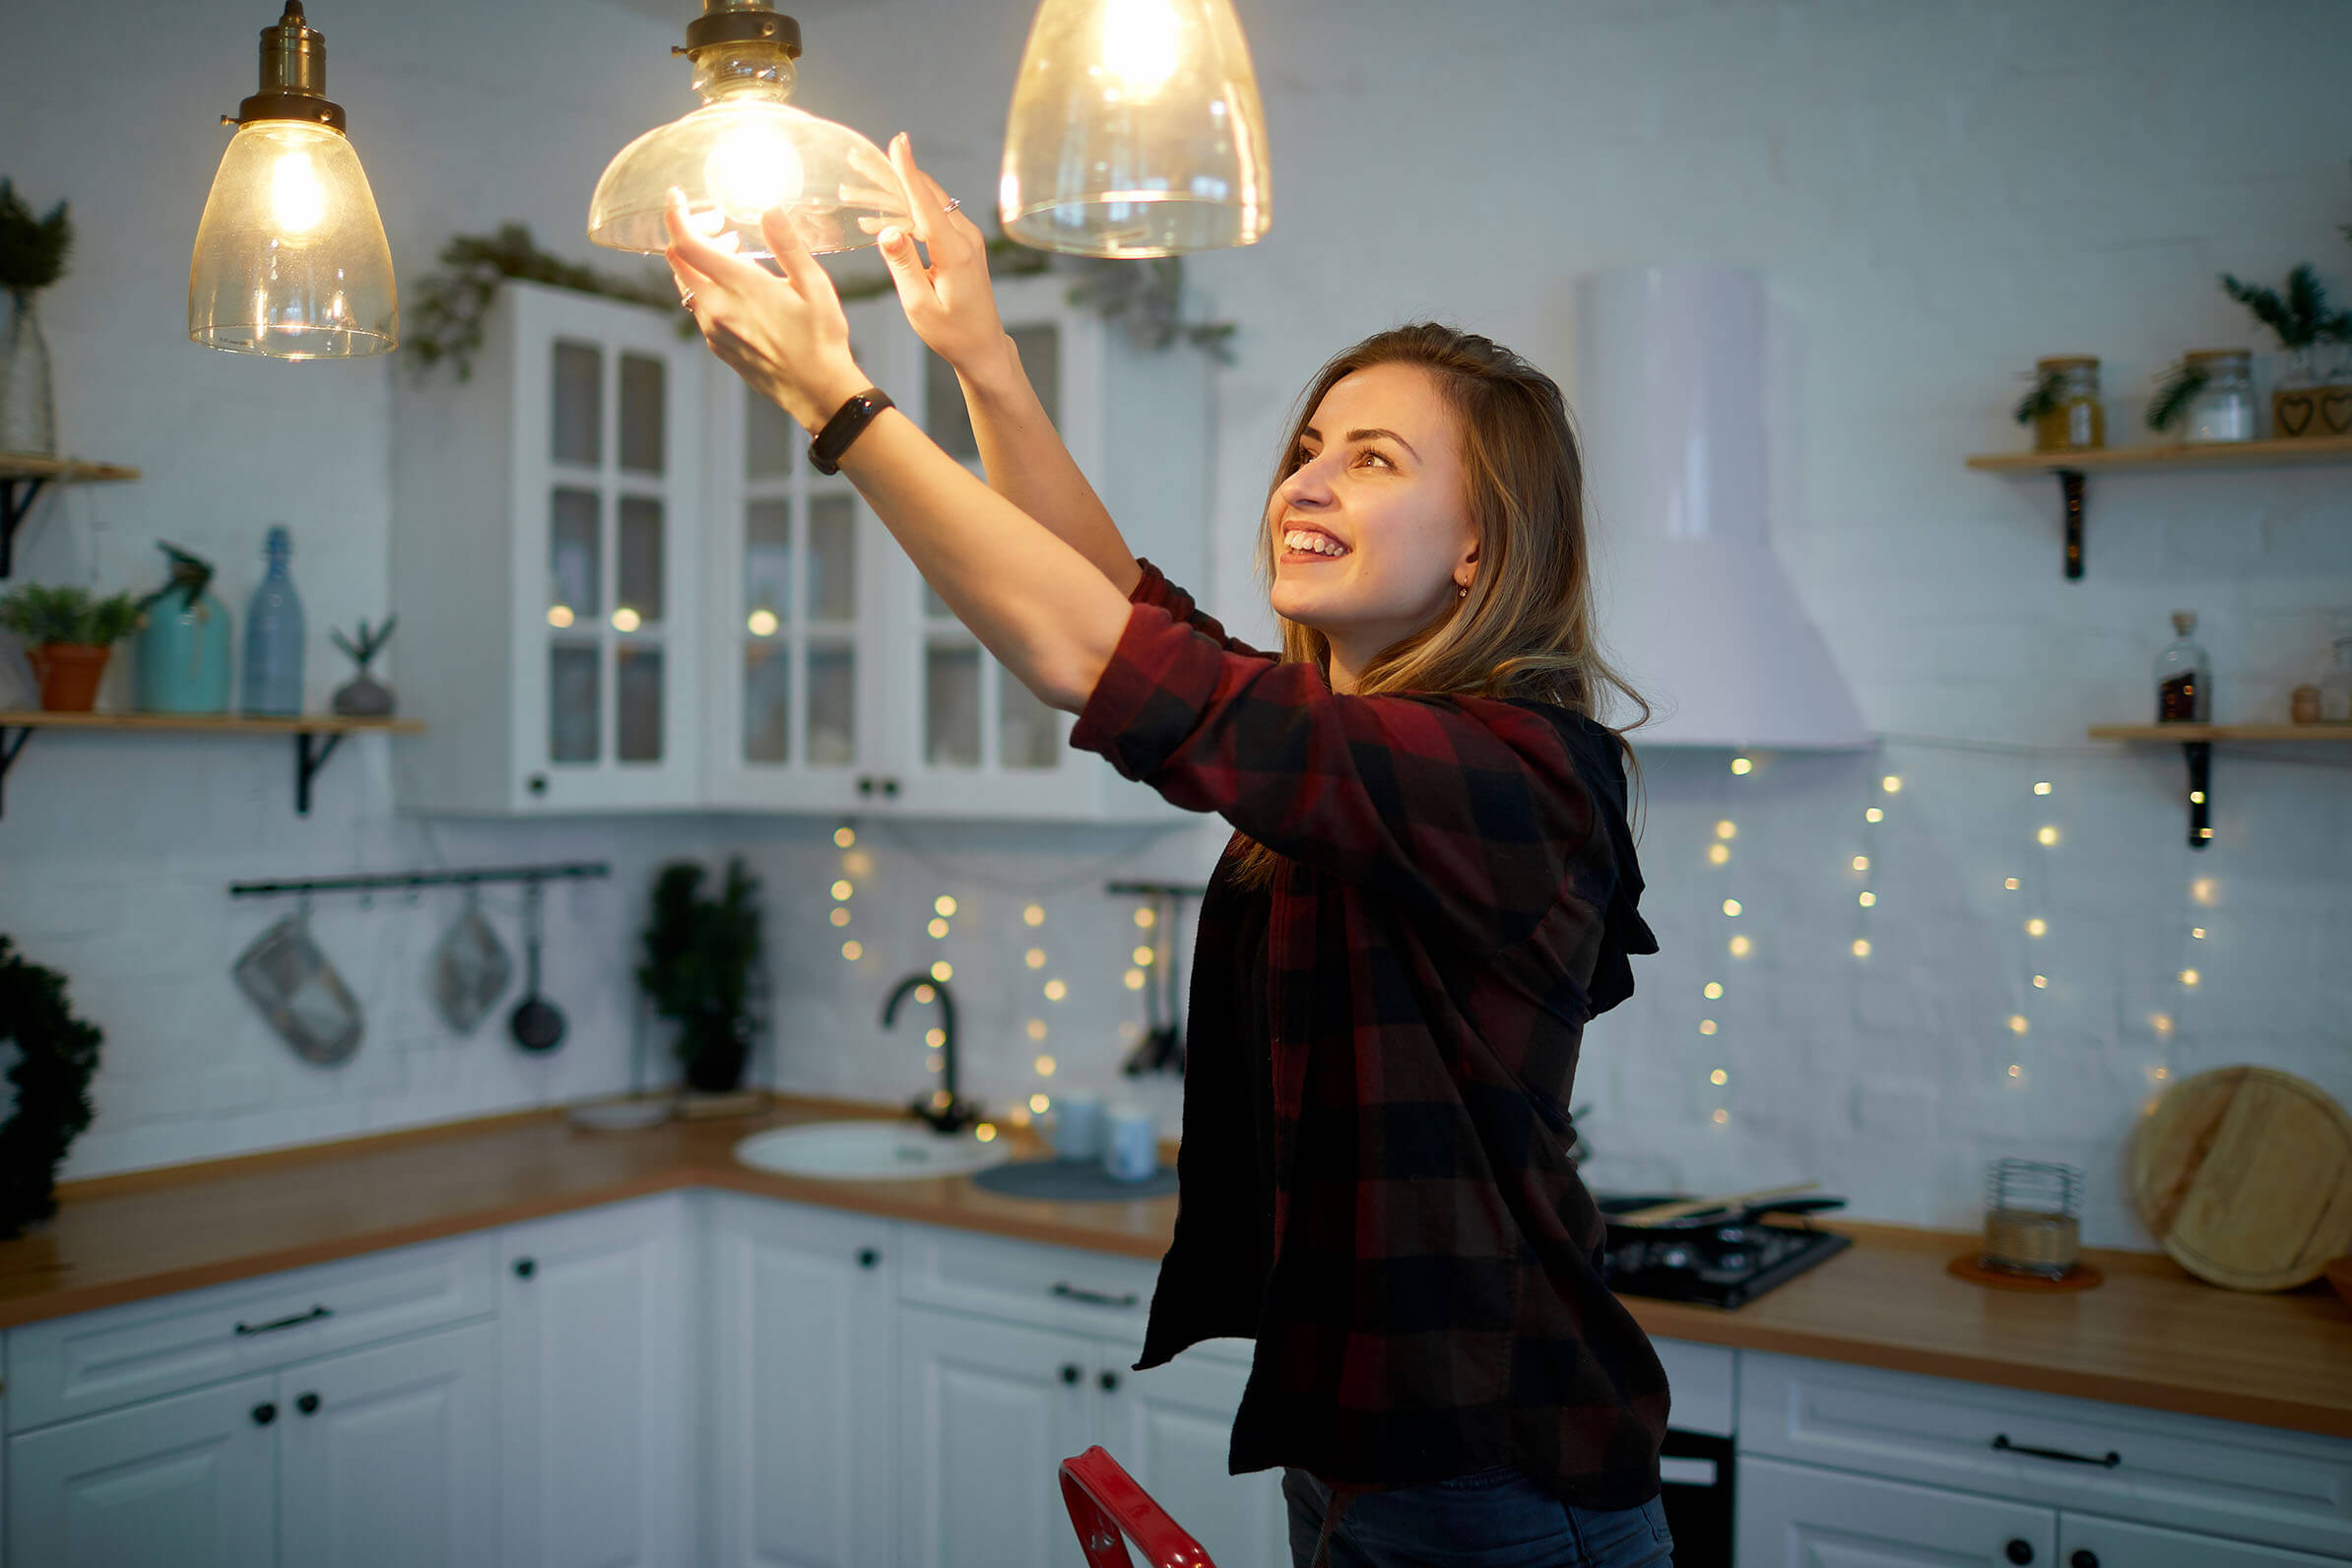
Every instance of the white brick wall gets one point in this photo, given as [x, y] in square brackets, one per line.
[1935, 195]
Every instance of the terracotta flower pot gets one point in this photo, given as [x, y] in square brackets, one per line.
[69, 674]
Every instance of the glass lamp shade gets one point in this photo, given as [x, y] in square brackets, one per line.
[290, 259]
[743, 152]
[1136, 130]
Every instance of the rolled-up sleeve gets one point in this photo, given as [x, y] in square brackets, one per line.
[1466, 809]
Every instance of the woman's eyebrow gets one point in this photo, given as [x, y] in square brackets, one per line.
[1310, 434]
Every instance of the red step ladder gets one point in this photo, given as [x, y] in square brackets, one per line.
[1106, 1503]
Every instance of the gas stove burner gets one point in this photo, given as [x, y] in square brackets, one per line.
[1723, 1266]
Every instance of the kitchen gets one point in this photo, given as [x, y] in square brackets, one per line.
[1924, 923]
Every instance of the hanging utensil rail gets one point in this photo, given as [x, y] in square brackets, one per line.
[569, 870]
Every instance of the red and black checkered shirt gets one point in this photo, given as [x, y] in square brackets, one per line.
[1457, 900]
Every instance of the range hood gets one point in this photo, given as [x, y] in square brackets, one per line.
[1694, 608]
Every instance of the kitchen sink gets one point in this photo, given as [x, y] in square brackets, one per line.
[869, 1151]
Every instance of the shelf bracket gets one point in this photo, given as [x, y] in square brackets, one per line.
[2070, 486]
[2200, 792]
[8, 755]
[16, 497]
[308, 763]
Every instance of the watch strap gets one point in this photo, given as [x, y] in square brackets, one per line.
[848, 421]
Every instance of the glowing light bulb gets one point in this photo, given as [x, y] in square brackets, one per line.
[844, 836]
[1862, 863]
[297, 198]
[762, 623]
[2204, 890]
[2011, 882]
[1040, 1103]
[858, 863]
[2042, 788]
[626, 619]
[944, 903]
[1036, 1028]
[754, 166]
[1861, 947]
[1712, 988]
[1741, 766]
[2015, 1071]
[2017, 1024]
[2046, 836]
[1716, 854]
[1056, 990]
[2037, 927]
[559, 616]
[1731, 907]
[842, 889]
[942, 970]
[1142, 42]
[937, 926]
[2197, 932]
[1044, 1066]
[840, 916]
[1727, 828]
[1722, 1116]
[1865, 899]
[1892, 784]
[2041, 982]
[1034, 957]
[2190, 977]
[1146, 918]
[1135, 979]
[1719, 1076]
[1706, 1025]
[853, 952]
[1741, 947]
[1873, 815]
[985, 1133]
[935, 1037]
[925, 994]
[1142, 956]
[1034, 915]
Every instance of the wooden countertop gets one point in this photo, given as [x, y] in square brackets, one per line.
[2151, 1334]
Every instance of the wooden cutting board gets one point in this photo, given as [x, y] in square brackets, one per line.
[2244, 1176]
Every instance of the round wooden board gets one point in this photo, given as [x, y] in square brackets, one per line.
[2244, 1174]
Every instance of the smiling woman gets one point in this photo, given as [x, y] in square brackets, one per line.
[1430, 888]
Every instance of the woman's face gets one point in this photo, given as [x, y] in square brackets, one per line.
[1372, 530]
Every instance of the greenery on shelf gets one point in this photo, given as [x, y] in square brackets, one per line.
[2297, 315]
[2181, 387]
[32, 250]
[701, 959]
[56, 1054]
[68, 614]
[2043, 399]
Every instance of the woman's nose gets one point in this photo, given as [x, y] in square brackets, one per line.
[1308, 487]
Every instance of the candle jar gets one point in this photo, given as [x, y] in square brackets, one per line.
[2223, 408]
[2068, 417]
[2031, 1220]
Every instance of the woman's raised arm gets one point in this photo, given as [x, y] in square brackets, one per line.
[954, 310]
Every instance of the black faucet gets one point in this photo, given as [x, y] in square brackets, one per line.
[951, 1114]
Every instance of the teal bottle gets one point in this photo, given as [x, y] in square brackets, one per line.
[182, 658]
[274, 637]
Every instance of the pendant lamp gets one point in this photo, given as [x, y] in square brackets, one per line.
[291, 260]
[747, 150]
[1136, 131]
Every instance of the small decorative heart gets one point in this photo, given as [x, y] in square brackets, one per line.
[2335, 410]
[2293, 412]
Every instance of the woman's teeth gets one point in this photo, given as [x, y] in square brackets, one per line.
[1320, 544]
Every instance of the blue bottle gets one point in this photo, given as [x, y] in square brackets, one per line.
[274, 637]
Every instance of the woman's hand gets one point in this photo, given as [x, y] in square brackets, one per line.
[786, 337]
[948, 304]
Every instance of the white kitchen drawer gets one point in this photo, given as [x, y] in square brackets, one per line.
[97, 1360]
[1795, 1516]
[2245, 1482]
[1051, 1287]
[2116, 1544]
[1702, 1382]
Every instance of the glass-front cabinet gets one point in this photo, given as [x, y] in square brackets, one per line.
[547, 551]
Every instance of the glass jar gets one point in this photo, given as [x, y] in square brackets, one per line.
[2335, 687]
[2073, 421]
[2223, 408]
[2032, 1218]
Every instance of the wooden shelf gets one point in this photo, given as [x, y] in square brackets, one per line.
[2172, 456]
[2341, 734]
[21, 476]
[309, 756]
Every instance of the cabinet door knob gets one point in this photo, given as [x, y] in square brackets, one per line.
[525, 1268]
[2084, 1558]
[2019, 1551]
[264, 1413]
[1070, 1372]
[890, 786]
[1110, 1382]
[538, 783]
[307, 1405]
[864, 784]
[868, 1257]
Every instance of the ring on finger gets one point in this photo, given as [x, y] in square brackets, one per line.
[687, 299]
[952, 205]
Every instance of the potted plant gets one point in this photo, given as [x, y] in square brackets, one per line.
[33, 253]
[702, 957]
[2297, 315]
[68, 635]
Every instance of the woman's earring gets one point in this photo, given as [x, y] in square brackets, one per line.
[1464, 593]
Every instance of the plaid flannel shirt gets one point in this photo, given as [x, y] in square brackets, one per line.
[1458, 899]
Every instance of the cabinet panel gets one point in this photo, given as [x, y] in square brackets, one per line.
[1794, 1516]
[2291, 1489]
[803, 1369]
[1062, 1287]
[987, 1413]
[185, 1482]
[1171, 1429]
[389, 1457]
[95, 1360]
[2114, 1543]
[594, 1372]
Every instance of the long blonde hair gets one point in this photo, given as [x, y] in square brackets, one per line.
[1527, 627]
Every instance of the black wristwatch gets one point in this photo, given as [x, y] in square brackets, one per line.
[846, 425]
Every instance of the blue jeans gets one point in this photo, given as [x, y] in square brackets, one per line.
[1489, 1519]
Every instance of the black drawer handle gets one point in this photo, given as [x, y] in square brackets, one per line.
[2002, 1442]
[247, 1330]
[1063, 1288]
[264, 1413]
[307, 1405]
[1070, 1372]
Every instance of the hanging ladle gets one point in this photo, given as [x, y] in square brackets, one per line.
[536, 1024]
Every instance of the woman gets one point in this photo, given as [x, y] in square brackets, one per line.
[1431, 888]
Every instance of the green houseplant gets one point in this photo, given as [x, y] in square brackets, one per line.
[56, 1054]
[68, 633]
[700, 968]
[2297, 315]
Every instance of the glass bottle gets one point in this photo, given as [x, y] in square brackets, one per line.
[28, 408]
[2223, 408]
[2184, 679]
[2335, 687]
[2074, 421]
[274, 637]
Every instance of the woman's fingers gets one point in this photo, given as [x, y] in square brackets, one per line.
[792, 254]
[908, 273]
[689, 246]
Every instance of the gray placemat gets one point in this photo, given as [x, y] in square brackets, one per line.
[1072, 1181]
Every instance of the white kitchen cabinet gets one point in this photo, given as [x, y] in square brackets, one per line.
[840, 680]
[596, 1376]
[2088, 1542]
[182, 1482]
[802, 1368]
[1171, 1430]
[548, 562]
[1797, 1516]
[987, 1411]
[388, 1457]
